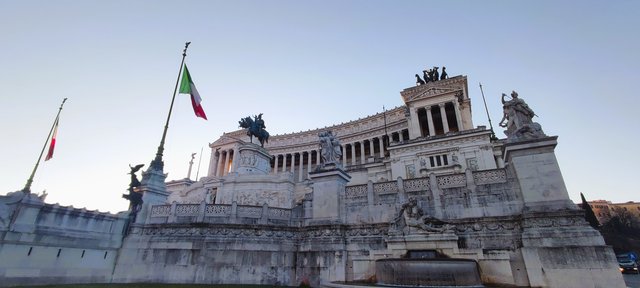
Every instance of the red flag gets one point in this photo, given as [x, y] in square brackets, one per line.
[52, 145]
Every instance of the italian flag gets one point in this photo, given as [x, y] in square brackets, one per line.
[52, 145]
[187, 87]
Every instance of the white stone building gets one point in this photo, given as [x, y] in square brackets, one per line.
[416, 178]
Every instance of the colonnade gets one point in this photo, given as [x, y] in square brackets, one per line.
[299, 163]
[439, 119]
[222, 162]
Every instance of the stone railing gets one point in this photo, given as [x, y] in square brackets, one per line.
[212, 213]
[385, 192]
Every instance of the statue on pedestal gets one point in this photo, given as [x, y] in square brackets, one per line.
[517, 119]
[134, 196]
[330, 151]
[255, 127]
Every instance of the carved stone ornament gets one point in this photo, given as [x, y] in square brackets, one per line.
[412, 216]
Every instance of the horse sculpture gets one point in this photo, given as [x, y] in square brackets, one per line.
[255, 127]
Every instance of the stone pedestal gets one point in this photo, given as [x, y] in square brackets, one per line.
[253, 160]
[538, 174]
[252, 182]
[154, 191]
[559, 248]
[328, 194]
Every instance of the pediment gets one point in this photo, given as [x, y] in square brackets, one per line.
[433, 89]
[430, 92]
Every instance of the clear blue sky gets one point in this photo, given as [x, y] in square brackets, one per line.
[304, 64]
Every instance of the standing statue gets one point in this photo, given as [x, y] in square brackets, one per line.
[436, 75]
[517, 118]
[419, 81]
[426, 74]
[134, 196]
[255, 127]
[330, 152]
[444, 74]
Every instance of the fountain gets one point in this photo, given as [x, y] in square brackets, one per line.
[426, 268]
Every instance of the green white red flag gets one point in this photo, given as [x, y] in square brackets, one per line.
[187, 87]
[52, 144]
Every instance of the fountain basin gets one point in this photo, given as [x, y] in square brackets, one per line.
[428, 272]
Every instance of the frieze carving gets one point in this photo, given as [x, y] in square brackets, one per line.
[488, 226]
[446, 144]
[547, 222]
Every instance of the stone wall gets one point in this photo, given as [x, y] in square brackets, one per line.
[49, 244]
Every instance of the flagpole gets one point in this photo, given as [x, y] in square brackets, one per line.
[493, 134]
[27, 187]
[157, 162]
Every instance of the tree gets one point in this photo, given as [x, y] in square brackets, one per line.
[588, 213]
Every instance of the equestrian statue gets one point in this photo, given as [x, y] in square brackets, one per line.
[255, 127]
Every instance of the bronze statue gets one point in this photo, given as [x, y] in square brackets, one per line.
[255, 127]
[426, 74]
[444, 74]
[134, 196]
[436, 75]
[419, 81]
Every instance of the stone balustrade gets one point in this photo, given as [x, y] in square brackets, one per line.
[384, 192]
[220, 213]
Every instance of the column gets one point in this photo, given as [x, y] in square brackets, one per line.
[301, 167]
[456, 107]
[443, 115]
[353, 154]
[275, 164]
[213, 165]
[414, 124]
[284, 163]
[344, 155]
[309, 162]
[227, 163]
[432, 129]
[381, 146]
[362, 156]
[371, 149]
[220, 164]
[236, 156]
[293, 163]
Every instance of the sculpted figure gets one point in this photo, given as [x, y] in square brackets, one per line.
[444, 74]
[517, 118]
[436, 75]
[426, 74]
[255, 127]
[134, 196]
[330, 152]
[419, 81]
[413, 216]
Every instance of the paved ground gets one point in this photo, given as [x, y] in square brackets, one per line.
[632, 280]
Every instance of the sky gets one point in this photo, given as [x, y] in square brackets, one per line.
[305, 65]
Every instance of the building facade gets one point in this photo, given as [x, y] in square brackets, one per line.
[419, 177]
